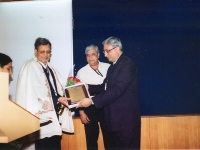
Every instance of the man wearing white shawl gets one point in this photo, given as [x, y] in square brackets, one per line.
[39, 90]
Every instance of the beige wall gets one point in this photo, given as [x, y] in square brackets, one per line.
[158, 132]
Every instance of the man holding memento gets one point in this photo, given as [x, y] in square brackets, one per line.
[118, 98]
[39, 90]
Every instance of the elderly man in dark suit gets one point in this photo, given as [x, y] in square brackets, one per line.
[118, 97]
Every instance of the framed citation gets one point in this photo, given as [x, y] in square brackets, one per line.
[76, 92]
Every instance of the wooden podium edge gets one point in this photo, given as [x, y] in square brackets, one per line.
[23, 109]
[13, 117]
[3, 137]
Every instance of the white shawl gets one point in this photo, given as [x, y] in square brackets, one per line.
[33, 93]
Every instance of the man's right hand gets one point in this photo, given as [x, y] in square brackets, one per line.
[84, 118]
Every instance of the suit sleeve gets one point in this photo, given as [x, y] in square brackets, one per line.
[96, 89]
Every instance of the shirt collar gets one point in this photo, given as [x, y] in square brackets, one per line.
[43, 65]
[117, 59]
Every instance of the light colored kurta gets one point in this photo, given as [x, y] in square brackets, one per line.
[87, 75]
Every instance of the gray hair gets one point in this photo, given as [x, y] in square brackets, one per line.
[91, 47]
[114, 41]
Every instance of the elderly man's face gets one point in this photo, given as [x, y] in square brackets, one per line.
[92, 57]
[111, 53]
[43, 53]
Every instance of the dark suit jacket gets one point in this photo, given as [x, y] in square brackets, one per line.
[119, 100]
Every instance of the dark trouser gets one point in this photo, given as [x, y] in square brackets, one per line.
[92, 129]
[52, 143]
[128, 139]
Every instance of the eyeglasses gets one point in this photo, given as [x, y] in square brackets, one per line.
[107, 51]
[43, 52]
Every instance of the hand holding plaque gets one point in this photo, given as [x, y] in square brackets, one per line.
[70, 81]
[76, 93]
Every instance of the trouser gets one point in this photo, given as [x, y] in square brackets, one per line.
[128, 139]
[51, 143]
[92, 129]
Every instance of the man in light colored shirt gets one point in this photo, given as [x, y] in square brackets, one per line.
[39, 90]
[93, 73]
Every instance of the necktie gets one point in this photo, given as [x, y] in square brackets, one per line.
[50, 84]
